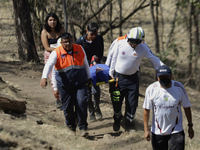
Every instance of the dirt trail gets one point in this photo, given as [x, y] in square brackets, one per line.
[40, 108]
[42, 127]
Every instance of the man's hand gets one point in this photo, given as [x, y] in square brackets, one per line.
[95, 57]
[43, 83]
[190, 132]
[147, 135]
[89, 82]
[56, 94]
[112, 77]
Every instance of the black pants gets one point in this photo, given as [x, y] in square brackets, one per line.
[74, 103]
[129, 89]
[174, 141]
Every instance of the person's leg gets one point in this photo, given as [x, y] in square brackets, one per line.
[81, 109]
[90, 106]
[131, 101]
[96, 92]
[68, 107]
[159, 142]
[117, 105]
[177, 141]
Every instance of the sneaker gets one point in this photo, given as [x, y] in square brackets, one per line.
[58, 104]
[92, 118]
[84, 133]
[116, 125]
[98, 115]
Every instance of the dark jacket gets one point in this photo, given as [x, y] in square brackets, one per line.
[94, 48]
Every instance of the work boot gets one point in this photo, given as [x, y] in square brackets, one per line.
[84, 133]
[129, 127]
[98, 115]
[58, 104]
[71, 130]
[92, 118]
[116, 125]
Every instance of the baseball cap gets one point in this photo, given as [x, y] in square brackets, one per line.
[164, 70]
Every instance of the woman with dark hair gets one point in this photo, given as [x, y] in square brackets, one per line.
[49, 36]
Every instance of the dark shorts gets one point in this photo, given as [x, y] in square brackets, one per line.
[174, 141]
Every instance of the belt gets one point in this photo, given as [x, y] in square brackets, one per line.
[126, 76]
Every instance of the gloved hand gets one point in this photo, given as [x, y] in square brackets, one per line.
[89, 82]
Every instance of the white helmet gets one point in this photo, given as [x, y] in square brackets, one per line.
[134, 33]
[134, 36]
[142, 31]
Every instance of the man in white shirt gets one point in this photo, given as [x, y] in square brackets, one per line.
[165, 98]
[125, 63]
[111, 50]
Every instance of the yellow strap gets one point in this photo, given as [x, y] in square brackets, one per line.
[100, 83]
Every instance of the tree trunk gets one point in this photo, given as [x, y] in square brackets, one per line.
[162, 27]
[26, 46]
[8, 105]
[155, 26]
[172, 29]
[110, 24]
[65, 15]
[190, 39]
[197, 48]
[120, 16]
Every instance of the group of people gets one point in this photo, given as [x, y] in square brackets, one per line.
[71, 83]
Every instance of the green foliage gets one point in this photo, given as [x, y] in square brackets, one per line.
[170, 56]
[196, 3]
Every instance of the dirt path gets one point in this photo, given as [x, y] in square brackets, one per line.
[27, 132]
[40, 108]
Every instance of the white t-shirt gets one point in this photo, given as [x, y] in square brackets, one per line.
[126, 60]
[166, 105]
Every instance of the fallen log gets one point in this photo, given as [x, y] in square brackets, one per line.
[8, 105]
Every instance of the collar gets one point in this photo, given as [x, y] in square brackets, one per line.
[63, 52]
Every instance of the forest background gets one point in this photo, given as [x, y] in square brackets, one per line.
[171, 31]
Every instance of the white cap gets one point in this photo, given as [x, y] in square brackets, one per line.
[134, 33]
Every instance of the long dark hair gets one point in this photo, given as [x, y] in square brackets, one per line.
[58, 25]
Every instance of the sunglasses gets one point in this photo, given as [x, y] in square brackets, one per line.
[134, 41]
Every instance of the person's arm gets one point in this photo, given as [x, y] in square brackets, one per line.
[55, 88]
[190, 124]
[156, 62]
[47, 68]
[45, 42]
[146, 113]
